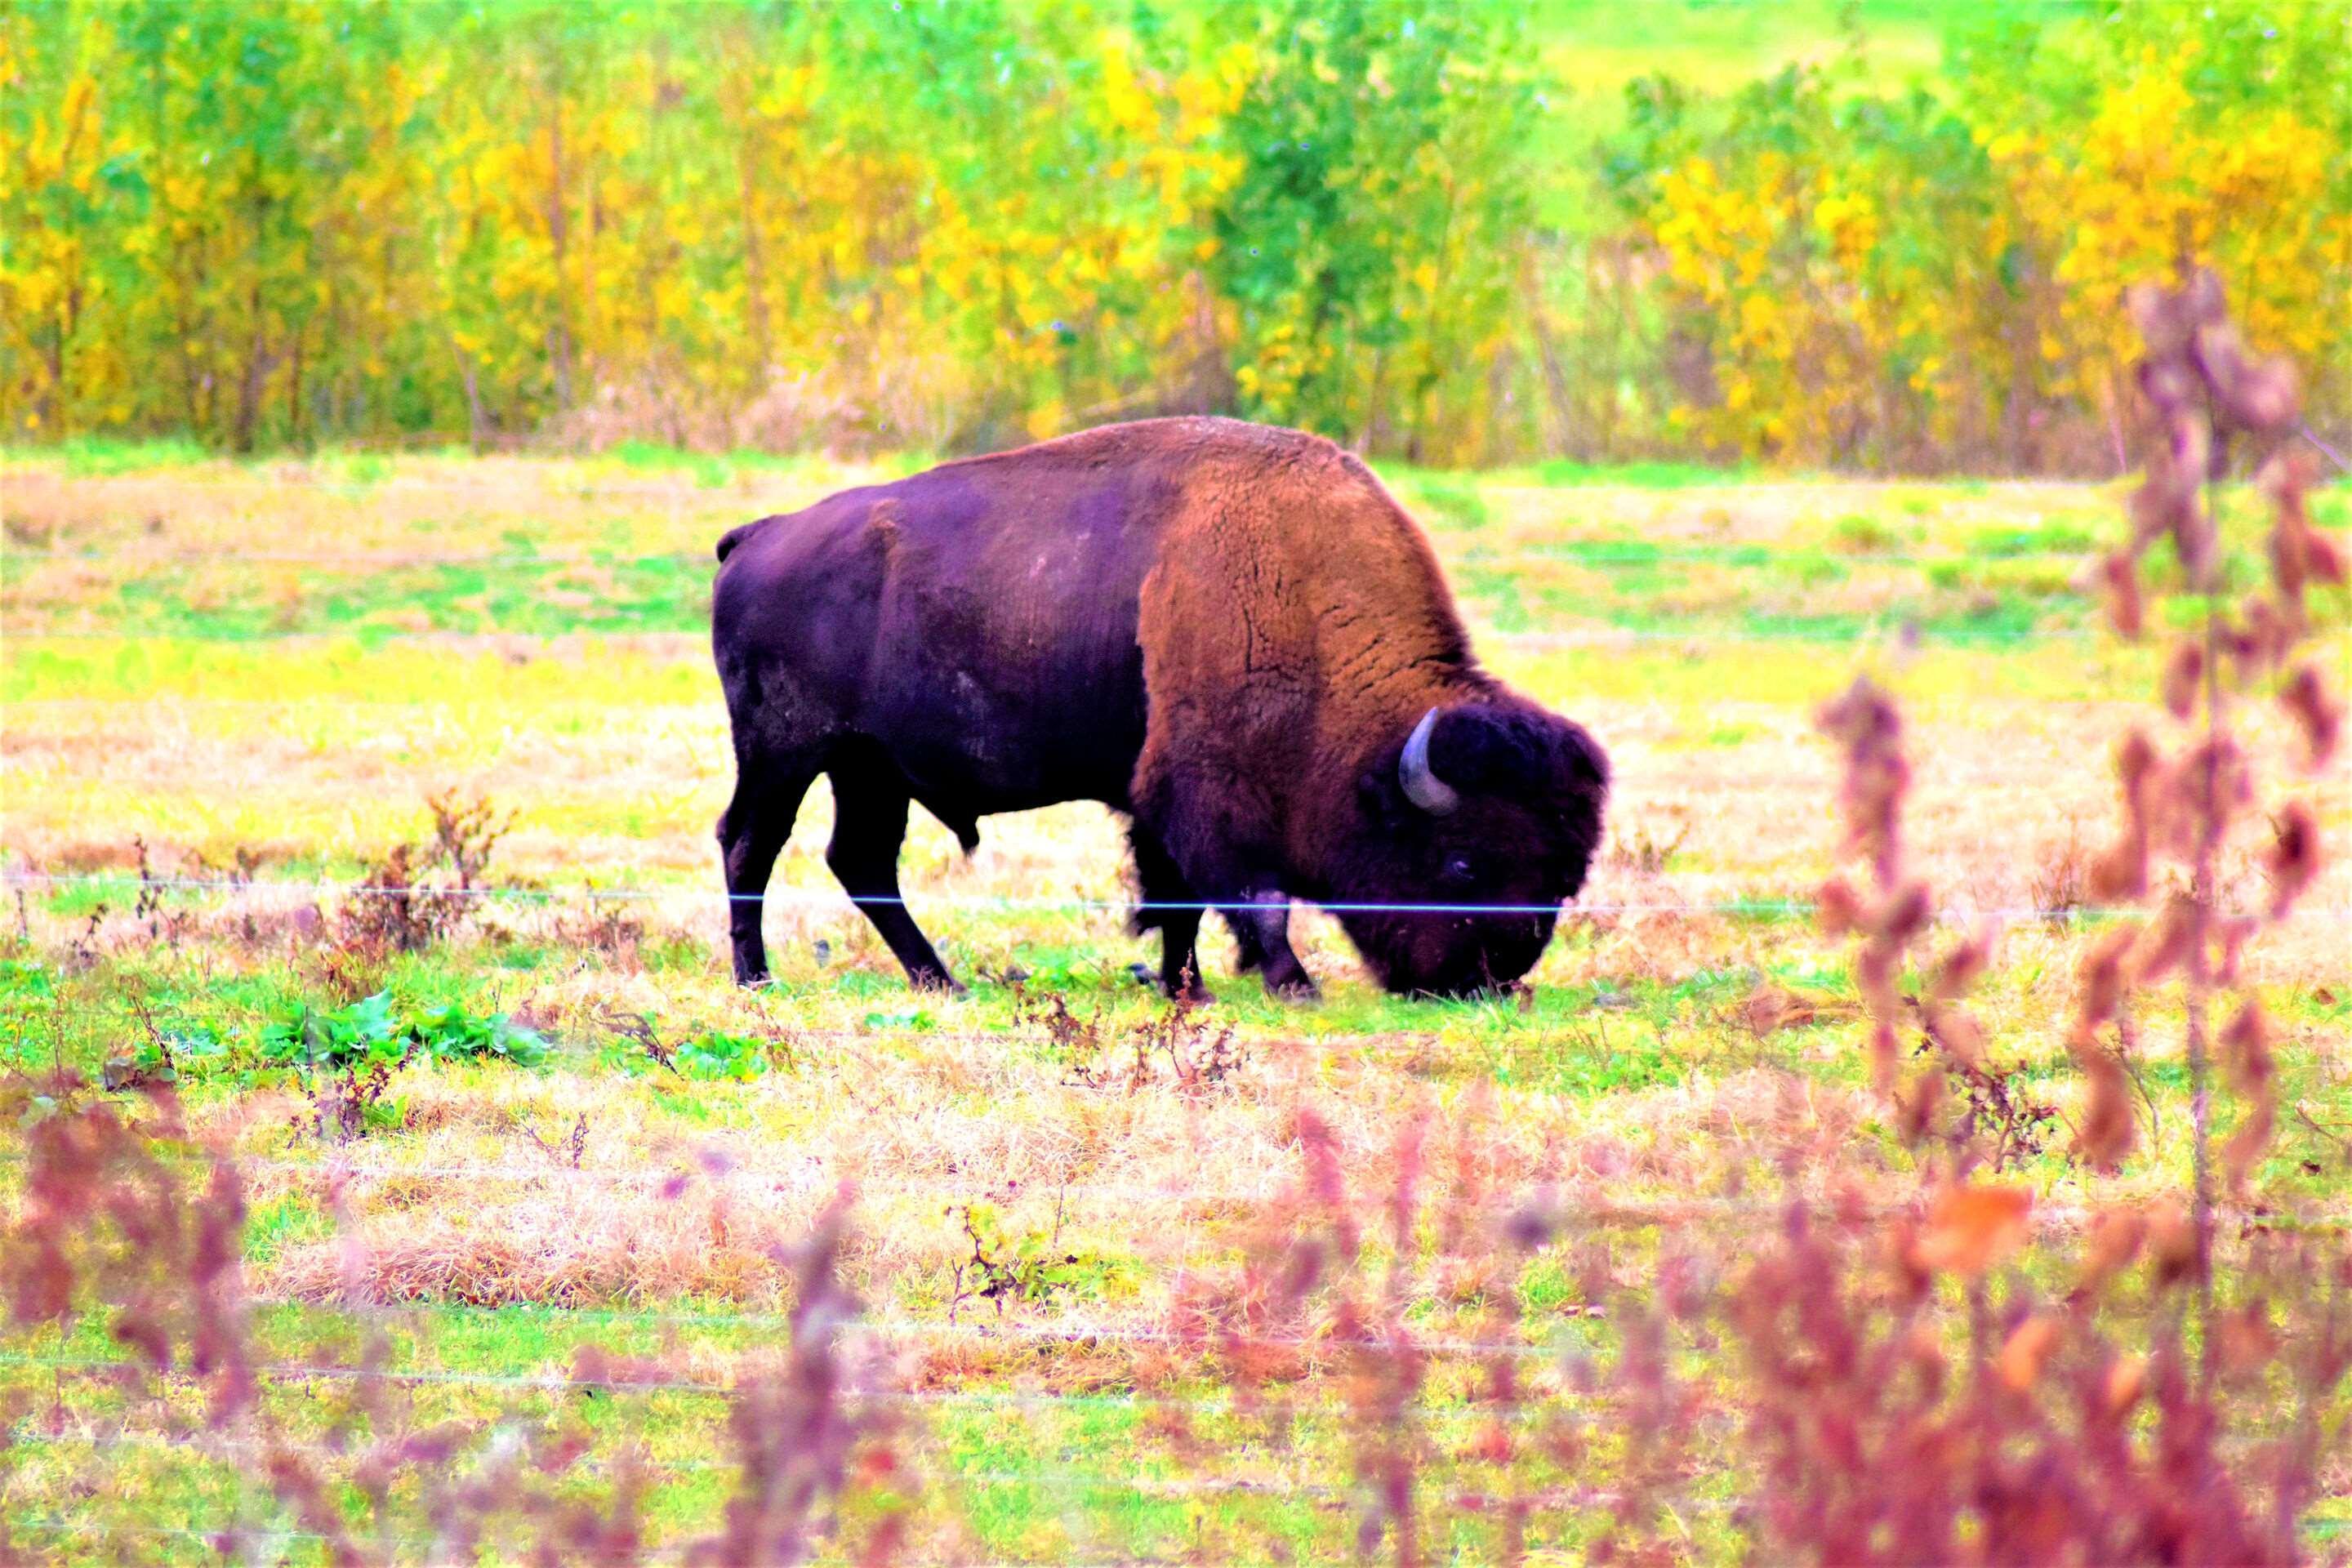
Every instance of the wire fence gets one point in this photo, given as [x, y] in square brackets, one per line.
[1693, 637]
[1561, 553]
[1763, 907]
[139, 707]
[978, 1399]
[1051, 1477]
[1563, 1207]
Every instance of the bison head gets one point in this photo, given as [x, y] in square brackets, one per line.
[1485, 815]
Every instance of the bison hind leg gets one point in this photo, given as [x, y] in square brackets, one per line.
[752, 833]
[869, 823]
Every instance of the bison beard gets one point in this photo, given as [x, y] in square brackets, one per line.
[1231, 633]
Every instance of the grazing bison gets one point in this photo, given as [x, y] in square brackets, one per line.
[1231, 633]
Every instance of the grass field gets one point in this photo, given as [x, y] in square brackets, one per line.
[1714, 44]
[253, 677]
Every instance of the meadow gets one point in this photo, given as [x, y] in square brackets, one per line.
[506, 1106]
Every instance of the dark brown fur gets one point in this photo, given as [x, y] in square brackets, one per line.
[1224, 629]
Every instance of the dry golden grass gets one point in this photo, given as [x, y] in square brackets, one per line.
[1659, 1085]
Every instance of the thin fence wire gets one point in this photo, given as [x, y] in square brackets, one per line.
[1049, 1478]
[245, 1532]
[1562, 1209]
[936, 1398]
[1761, 906]
[141, 706]
[1560, 553]
[1596, 636]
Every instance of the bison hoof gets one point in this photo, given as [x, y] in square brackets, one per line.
[939, 980]
[1299, 987]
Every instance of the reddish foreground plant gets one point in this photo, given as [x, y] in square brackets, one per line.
[2156, 1419]
[1923, 1381]
[105, 1228]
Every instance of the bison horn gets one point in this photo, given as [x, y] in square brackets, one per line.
[1421, 785]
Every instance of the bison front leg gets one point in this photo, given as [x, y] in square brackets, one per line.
[1262, 932]
[1171, 905]
[1214, 845]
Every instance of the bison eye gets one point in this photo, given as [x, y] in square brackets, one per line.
[1457, 870]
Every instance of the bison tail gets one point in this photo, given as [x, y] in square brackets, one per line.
[963, 823]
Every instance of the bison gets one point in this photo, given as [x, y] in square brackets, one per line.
[1230, 633]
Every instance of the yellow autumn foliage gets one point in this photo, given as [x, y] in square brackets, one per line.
[1913, 284]
[283, 223]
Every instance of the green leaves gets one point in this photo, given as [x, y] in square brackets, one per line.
[453, 1034]
[953, 226]
[940, 226]
[362, 1033]
[368, 1033]
[1373, 234]
[722, 1057]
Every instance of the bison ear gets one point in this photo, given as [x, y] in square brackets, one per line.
[1585, 764]
[1523, 752]
[1482, 749]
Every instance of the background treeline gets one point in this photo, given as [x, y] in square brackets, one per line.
[952, 226]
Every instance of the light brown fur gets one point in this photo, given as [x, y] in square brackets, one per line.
[1296, 623]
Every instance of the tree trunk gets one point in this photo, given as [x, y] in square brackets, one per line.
[473, 421]
[558, 332]
[1555, 374]
[258, 364]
